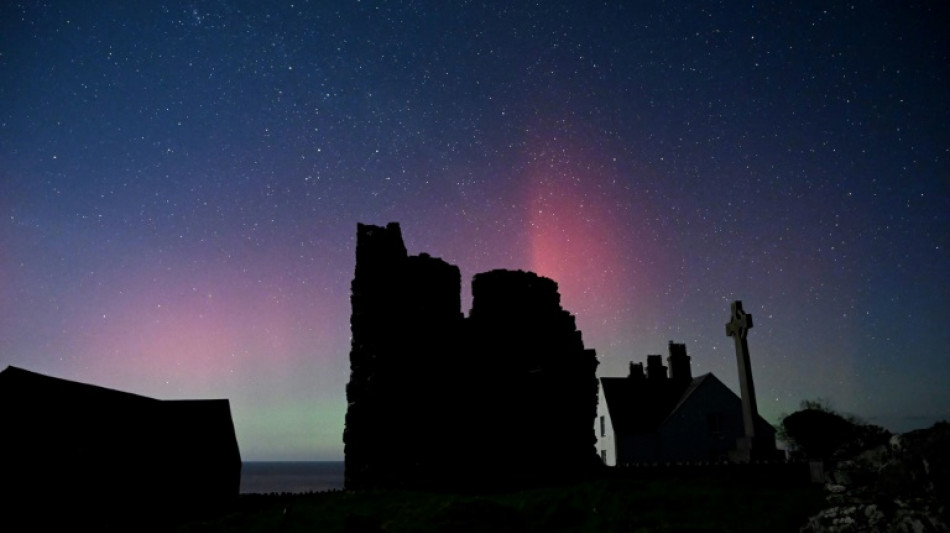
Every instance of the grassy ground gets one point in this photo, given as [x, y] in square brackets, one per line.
[602, 505]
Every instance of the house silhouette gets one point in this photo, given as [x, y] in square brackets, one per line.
[661, 414]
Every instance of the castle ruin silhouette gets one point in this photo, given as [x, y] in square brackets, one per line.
[505, 396]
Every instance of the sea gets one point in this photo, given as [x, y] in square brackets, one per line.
[268, 477]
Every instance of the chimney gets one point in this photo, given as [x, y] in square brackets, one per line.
[655, 369]
[636, 371]
[678, 362]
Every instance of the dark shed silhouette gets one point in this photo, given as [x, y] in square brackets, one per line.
[100, 454]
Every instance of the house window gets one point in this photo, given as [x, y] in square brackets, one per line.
[714, 421]
[603, 426]
[603, 456]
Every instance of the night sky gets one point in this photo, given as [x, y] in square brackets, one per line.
[180, 184]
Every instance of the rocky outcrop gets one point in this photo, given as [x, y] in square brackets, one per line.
[437, 400]
[902, 486]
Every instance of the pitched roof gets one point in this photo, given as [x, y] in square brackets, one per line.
[20, 382]
[54, 405]
[640, 406]
[142, 456]
[693, 386]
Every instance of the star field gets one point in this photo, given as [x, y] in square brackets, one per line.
[180, 185]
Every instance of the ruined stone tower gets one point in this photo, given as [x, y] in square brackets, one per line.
[437, 400]
[405, 324]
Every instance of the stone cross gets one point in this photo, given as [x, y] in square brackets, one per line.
[738, 328]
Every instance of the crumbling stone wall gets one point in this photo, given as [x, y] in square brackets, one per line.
[437, 400]
[405, 324]
[540, 381]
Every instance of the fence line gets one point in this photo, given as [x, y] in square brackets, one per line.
[755, 470]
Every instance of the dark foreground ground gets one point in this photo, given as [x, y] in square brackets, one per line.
[607, 504]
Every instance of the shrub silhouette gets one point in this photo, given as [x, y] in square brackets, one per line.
[817, 432]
